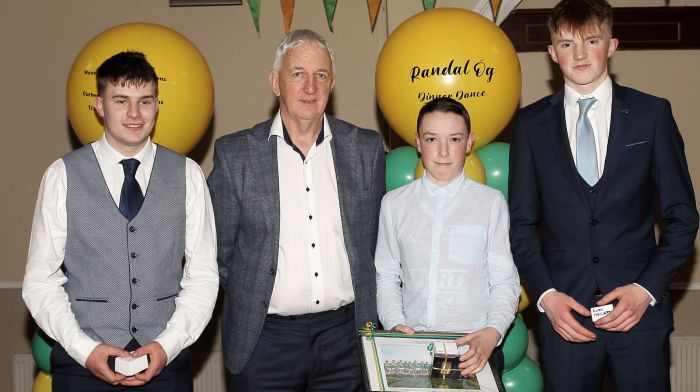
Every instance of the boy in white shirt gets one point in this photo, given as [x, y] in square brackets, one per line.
[443, 256]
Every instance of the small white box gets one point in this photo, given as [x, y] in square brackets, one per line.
[129, 366]
[599, 312]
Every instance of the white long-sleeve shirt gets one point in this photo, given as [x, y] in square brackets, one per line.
[443, 258]
[43, 290]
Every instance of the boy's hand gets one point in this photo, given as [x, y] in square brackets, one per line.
[96, 363]
[632, 303]
[404, 329]
[481, 344]
[558, 307]
[157, 361]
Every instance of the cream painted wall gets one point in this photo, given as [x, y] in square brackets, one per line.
[40, 39]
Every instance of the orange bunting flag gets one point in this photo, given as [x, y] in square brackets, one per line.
[288, 13]
[495, 4]
[373, 6]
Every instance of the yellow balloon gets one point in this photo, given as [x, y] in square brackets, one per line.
[524, 300]
[473, 168]
[448, 52]
[186, 89]
[42, 382]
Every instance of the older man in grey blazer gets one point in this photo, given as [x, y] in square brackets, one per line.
[296, 200]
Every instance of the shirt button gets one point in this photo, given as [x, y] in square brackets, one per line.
[310, 217]
[316, 274]
[134, 280]
[134, 255]
[134, 329]
[308, 189]
[313, 245]
[134, 306]
[132, 229]
[318, 302]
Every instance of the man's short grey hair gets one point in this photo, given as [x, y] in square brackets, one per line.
[297, 38]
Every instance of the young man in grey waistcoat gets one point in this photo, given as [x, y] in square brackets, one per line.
[114, 219]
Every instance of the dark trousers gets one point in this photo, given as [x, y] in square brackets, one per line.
[312, 352]
[68, 376]
[636, 361]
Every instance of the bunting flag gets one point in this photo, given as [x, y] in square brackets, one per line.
[373, 6]
[330, 11]
[495, 4]
[428, 4]
[255, 11]
[288, 13]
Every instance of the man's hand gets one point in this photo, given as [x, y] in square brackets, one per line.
[632, 303]
[404, 329]
[96, 363]
[157, 361]
[481, 344]
[558, 306]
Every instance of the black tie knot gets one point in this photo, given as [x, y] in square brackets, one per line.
[130, 166]
[131, 197]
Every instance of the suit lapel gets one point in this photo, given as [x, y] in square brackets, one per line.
[345, 159]
[265, 171]
[561, 146]
[619, 123]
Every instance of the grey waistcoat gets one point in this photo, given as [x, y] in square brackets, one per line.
[123, 277]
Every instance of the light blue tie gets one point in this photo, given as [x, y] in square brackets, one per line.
[586, 158]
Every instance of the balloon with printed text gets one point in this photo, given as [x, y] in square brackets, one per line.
[448, 52]
[185, 85]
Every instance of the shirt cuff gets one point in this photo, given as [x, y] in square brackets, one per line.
[171, 344]
[539, 300]
[80, 348]
[653, 300]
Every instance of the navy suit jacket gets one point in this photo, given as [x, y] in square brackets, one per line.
[576, 239]
[244, 189]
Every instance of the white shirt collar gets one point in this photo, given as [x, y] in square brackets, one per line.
[452, 188]
[602, 94]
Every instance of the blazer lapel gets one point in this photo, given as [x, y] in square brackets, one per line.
[345, 159]
[561, 146]
[265, 172]
[619, 122]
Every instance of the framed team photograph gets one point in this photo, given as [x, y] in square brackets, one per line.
[396, 362]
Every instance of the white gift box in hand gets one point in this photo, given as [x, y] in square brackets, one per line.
[129, 366]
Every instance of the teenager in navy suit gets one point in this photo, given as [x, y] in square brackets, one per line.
[582, 241]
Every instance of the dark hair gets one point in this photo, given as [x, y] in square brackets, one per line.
[580, 16]
[126, 69]
[445, 105]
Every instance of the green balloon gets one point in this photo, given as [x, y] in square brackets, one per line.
[515, 344]
[41, 350]
[494, 156]
[400, 165]
[526, 377]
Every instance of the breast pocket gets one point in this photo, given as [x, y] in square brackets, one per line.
[467, 244]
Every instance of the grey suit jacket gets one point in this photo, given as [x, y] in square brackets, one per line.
[244, 187]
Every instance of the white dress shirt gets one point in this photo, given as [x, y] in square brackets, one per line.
[313, 270]
[598, 115]
[43, 290]
[443, 258]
